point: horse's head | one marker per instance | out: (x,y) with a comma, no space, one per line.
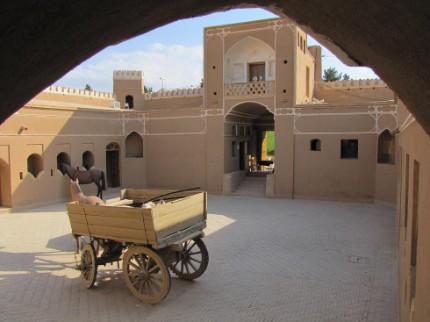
(63,168)
(78,195)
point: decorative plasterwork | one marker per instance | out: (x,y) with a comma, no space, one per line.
(212,112)
(224,31)
(287,111)
(126,118)
(375,112)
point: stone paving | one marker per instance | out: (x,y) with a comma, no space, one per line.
(270,260)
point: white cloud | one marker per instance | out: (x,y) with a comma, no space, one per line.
(179,66)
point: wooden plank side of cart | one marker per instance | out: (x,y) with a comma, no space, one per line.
(160,225)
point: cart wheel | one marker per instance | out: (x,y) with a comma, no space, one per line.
(192,261)
(145,274)
(88,265)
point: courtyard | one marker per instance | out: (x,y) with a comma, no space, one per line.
(270,260)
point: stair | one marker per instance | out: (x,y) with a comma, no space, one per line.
(254,186)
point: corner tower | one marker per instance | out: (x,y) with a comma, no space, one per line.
(128,87)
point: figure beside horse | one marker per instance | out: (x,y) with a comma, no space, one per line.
(84,177)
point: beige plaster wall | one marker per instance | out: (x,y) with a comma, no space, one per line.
(413,206)
(70,100)
(50,131)
(176,161)
(5,179)
(285,55)
(324,175)
(284,165)
(174,103)
(316,53)
(386,183)
(304,59)
(349,95)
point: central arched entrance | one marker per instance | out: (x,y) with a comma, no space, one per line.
(249,145)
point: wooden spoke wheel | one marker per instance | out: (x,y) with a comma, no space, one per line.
(145,274)
(192,261)
(88,266)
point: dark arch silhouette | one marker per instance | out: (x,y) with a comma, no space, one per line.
(133,146)
(386,147)
(129,100)
(88,160)
(34,164)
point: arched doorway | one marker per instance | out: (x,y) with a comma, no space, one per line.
(250,133)
(112,165)
(5,198)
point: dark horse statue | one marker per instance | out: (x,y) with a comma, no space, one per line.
(84,177)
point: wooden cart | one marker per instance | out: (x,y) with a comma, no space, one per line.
(167,235)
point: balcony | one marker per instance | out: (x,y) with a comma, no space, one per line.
(254,89)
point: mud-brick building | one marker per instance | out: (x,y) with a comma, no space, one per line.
(332,140)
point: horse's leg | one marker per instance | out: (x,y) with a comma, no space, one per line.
(99,190)
(77,243)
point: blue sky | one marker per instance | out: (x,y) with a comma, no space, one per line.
(174,53)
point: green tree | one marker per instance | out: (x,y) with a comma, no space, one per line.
(147,89)
(331,74)
(88,88)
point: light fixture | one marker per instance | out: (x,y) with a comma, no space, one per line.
(22,129)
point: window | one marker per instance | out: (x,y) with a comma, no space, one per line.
(34,164)
(134,146)
(349,149)
(88,160)
(257,72)
(129,101)
(315,145)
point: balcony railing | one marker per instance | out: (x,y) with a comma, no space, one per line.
(262,88)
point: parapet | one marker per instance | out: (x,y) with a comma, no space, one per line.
(78,92)
(127,75)
(355,83)
(175,93)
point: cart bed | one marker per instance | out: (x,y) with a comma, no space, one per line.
(159,226)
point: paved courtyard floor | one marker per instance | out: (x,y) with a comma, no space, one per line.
(270,260)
